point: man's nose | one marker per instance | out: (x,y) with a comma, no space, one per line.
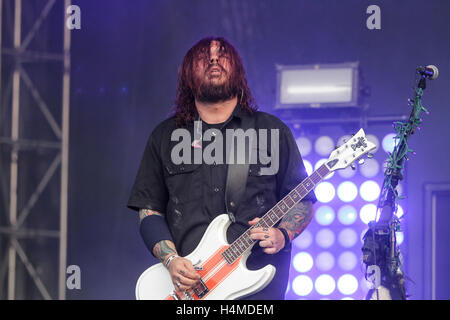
(214,59)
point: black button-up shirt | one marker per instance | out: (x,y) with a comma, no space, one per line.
(192,195)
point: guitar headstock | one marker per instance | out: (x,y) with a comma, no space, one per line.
(355,148)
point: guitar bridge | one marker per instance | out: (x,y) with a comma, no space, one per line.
(201,289)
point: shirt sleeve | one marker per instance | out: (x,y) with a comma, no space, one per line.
(149,190)
(292,170)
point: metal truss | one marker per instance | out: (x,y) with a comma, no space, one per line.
(18,80)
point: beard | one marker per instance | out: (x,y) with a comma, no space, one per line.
(208,91)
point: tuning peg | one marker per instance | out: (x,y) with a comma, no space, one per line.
(353,166)
(370,155)
(361,161)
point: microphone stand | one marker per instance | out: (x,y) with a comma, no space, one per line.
(380,251)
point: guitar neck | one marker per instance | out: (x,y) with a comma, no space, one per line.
(271,218)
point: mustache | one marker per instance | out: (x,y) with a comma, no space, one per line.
(215,66)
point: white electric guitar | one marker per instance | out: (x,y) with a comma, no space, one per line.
(222,266)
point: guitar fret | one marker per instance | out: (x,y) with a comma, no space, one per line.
(289,201)
(301,190)
(308,184)
(315,177)
(323,170)
(283,207)
(263,223)
(295,196)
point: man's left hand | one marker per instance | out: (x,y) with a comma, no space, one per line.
(272,239)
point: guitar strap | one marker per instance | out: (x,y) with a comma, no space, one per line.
(237,171)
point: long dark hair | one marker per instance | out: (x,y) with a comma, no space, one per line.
(185,111)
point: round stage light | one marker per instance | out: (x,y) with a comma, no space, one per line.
(347,191)
(308,167)
(304,240)
(302,285)
(347,284)
(325,238)
(370,168)
(347,260)
(324,145)
(347,214)
(325,261)
(400,237)
(372,138)
(368,213)
(321,162)
(347,237)
(369,190)
(325,284)
(325,192)
(324,215)
(399,212)
(389,142)
(302,262)
(347,173)
(304,146)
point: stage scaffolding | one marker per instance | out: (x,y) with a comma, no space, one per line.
(17,207)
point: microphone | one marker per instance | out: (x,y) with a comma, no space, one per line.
(429,71)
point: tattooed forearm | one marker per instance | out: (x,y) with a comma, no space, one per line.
(147,212)
(297,219)
(163,249)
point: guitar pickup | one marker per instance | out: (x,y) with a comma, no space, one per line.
(201,289)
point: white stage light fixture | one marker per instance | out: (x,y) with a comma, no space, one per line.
(319,85)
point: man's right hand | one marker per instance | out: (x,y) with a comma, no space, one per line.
(183,274)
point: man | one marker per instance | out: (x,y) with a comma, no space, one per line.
(176,202)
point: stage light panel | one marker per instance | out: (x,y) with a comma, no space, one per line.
(372,138)
(370,168)
(303,262)
(302,285)
(347,284)
(325,261)
(347,214)
(347,237)
(347,191)
(399,212)
(324,215)
(348,172)
(325,284)
(389,142)
(315,86)
(369,190)
(368,213)
(304,146)
(347,260)
(304,240)
(325,192)
(325,238)
(324,145)
(400,237)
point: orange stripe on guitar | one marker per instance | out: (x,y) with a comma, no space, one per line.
(219,276)
(210,265)
(212,261)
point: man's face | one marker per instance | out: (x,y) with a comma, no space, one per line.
(212,71)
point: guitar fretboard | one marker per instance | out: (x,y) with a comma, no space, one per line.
(244,242)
